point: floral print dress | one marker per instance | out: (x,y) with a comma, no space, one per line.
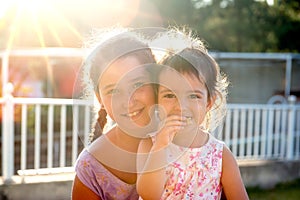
(196,174)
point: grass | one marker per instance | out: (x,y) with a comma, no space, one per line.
(282,191)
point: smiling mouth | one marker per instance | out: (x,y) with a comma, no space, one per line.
(132,114)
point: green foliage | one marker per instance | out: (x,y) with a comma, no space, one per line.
(238,25)
(286,191)
(176,12)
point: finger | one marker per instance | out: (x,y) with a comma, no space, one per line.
(176,117)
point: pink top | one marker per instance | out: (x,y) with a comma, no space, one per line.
(96,177)
(197,173)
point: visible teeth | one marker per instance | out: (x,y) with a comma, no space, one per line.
(132,114)
(189,120)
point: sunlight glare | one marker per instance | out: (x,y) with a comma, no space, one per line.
(27,18)
(4,7)
(58,22)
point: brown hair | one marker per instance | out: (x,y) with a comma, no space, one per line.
(193,58)
(103,54)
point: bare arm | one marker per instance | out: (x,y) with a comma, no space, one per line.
(152,160)
(231,179)
(80,191)
(151,180)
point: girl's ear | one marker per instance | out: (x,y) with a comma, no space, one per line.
(99,99)
(211,102)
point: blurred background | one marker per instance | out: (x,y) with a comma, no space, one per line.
(255,42)
(226,25)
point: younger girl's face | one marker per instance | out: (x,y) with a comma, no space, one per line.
(183,94)
(126,94)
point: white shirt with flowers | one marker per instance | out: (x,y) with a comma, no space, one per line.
(196,174)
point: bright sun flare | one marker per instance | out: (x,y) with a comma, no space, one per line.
(33,18)
(41,21)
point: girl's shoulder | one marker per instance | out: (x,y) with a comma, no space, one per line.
(88,165)
(213,140)
(94,175)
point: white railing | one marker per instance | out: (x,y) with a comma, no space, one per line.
(43,135)
(262,131)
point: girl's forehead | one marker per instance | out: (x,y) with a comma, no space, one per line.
(170,74)
(178,81)
(123,66)
(124,71)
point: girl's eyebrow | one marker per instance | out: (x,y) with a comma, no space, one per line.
(140,78)
(166,90)
(109,86)
(196,91)
(106,87)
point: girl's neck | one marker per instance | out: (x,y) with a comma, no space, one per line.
(123,140)
(196,140)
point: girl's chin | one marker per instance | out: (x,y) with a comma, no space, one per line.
(138,124)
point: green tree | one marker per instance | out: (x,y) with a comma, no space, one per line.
(287,25)
(238,25)
(176,12)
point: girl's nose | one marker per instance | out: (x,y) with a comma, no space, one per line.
(128,99)
(132,100)
(181,104)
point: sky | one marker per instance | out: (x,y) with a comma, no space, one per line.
(39,20)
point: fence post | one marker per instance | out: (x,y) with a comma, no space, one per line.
(291,126)
(8,134)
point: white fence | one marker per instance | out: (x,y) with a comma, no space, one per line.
(262,131)
(43,133)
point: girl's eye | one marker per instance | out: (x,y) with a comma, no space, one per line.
(169,96)
(195,96)
(112,91)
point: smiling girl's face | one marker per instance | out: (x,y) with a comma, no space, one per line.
(126,93)
(183,94)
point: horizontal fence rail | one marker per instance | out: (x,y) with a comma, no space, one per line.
(44,135)
(262,131)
